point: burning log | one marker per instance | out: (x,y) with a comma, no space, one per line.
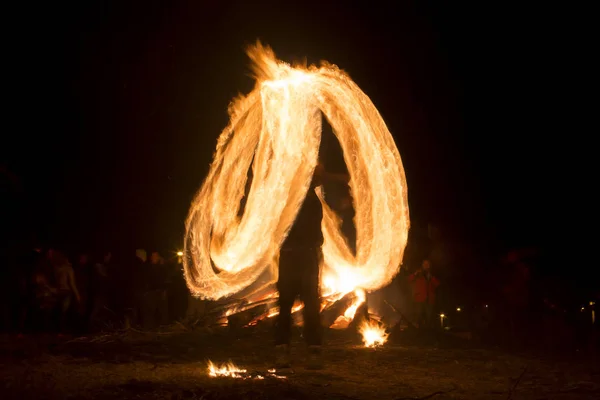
(333,311)
(362,314)
(345,312)
(245,317)
(266,302)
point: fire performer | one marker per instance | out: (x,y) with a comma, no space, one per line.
(276,131)
(299,261)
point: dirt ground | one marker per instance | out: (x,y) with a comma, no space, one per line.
(172,364)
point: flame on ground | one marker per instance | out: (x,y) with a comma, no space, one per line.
(227,370)
(373,333)
(276,131)
(230,370)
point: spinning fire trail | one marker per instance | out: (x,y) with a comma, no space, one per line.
(276,130)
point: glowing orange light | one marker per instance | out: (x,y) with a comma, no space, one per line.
(230,370)
(227,370)
(373,334)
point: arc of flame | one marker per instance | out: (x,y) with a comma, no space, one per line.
(276,131)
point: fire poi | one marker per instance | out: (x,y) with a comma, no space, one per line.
(276,131)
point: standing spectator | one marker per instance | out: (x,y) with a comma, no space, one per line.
(65,283)
(154,307)
(424,286)
(100,291)
(83,278)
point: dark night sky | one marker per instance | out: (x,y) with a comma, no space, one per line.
(122,103)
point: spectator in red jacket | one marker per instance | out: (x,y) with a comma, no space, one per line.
(424,285)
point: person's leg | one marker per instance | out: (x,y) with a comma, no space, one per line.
(284,320)
(414,311)
(24,312)
(48,319)
(163,308)
(420,314)
(135,308)
(101,312)
(6,304)
(429,323)
(92,323)
(311,297)
(89,309)
(287,295)
(148,310)
(182,303)
(65,306)
(288,287)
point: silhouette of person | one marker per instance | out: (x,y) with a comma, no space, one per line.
(299,277)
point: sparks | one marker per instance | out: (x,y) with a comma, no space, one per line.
(276,131)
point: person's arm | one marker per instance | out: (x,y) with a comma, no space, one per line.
(73,284)
(101,270)
(337,177)
(413,276)
(323,175)
(43,282)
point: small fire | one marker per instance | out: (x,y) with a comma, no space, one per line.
(373,334)
(227,370)
(230,370)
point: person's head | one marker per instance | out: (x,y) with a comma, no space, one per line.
(426,265)
(346,203)
(320,168)
(141,254)
(83,259)
(155,257)
(57,258)
(107,257)
(318,173)
(512,257)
